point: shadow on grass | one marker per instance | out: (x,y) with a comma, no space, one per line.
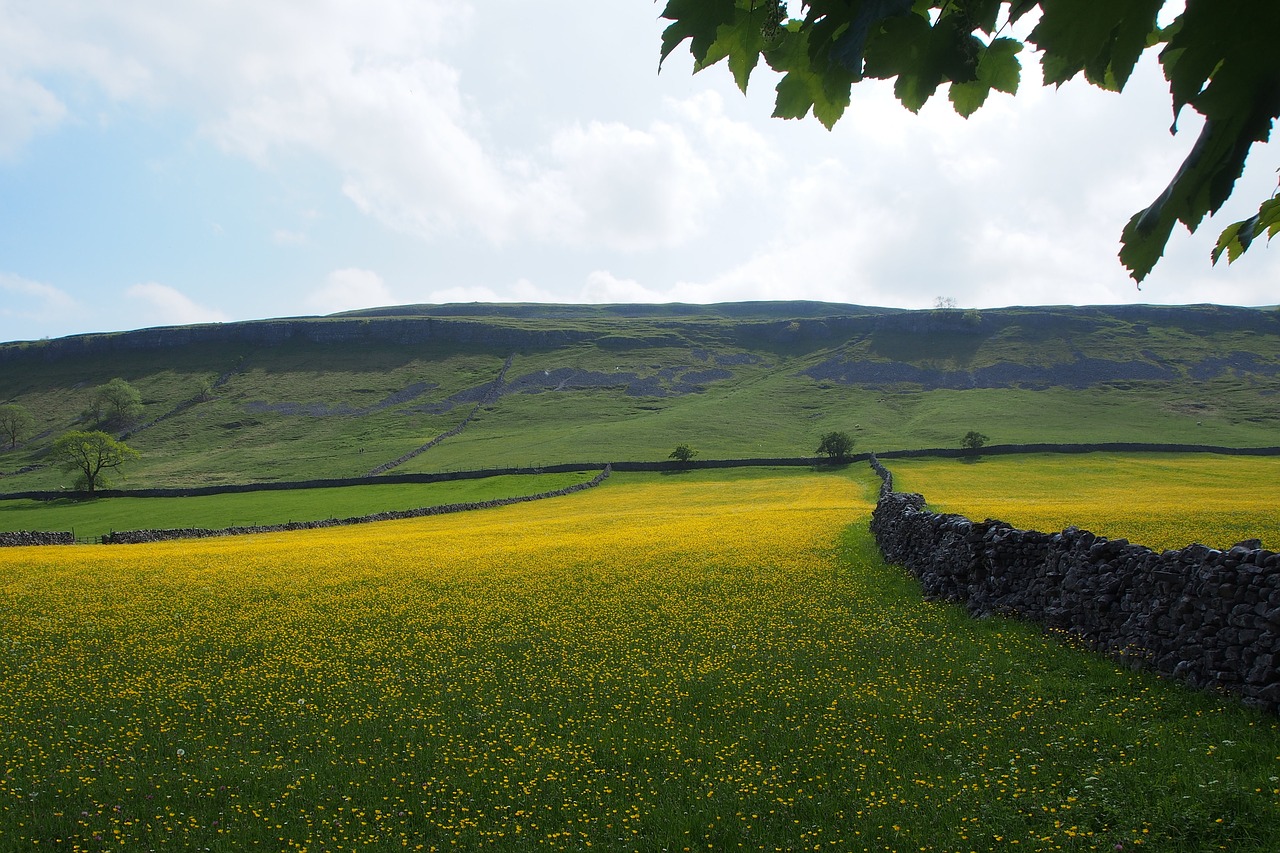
(24,505)
(834,467)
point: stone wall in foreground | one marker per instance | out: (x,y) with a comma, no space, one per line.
(1207,617)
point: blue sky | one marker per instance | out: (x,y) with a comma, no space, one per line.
(213,161)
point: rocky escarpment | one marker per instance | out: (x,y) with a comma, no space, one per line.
(662,382)
(325,410)
(1080,372)
(411,331)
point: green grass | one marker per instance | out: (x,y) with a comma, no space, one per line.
(666,663)
(92,518)
(772,415)
(1161,500)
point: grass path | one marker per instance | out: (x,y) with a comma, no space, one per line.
(692,662)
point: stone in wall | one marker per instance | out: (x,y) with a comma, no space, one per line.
(23,538)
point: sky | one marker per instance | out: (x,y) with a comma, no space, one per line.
(217,160)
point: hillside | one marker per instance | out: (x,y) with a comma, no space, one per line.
(534,384)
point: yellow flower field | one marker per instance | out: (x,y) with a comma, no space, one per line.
(1161,500)
(695,662)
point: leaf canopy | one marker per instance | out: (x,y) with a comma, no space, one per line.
(1219,58)
(90,453)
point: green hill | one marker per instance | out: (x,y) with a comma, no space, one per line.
(344,395)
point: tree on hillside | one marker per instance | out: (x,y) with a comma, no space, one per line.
(16,423)
(683,454)
(117,403)
(836,446)
(973,441)
(1219,58)
(90,455)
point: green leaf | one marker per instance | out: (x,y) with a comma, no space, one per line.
(1000,67)
(983,13)
(803,86)
(742,41)
(1018,8)
(906,48)
(1238,236)
(1224,67)
(1234,239)
(1269,218)
(897,47)
(696,20)
(1202,38)
(1142,242)
(923,57)
(968,97)
(1102,38)
(848,43)
(997,69)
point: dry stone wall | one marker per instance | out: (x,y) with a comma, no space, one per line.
(491,394)
(134,537)
(23,537)
(1207,617)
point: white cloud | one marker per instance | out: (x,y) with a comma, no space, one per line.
(603,287)
(463,294)
(285,237)
(1021,204)
(368,89)
(348,289)
(164,305)
(19,290)
(619,187)
(26,110)
(27,305)
(600,181)
(735,149)
(616,186)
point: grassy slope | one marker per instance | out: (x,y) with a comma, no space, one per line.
(765,409)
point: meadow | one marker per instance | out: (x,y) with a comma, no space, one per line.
(1161,500)
(692,662)
(89,518)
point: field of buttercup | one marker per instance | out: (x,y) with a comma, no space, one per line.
(1161,500)
(688,662)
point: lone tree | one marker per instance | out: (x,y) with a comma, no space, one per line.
(973,441)
(1219,58)
(683,454)
(836,446)
(90,455)
(16,423)
(116,402)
